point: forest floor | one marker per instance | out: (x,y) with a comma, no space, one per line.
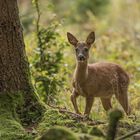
(85,129)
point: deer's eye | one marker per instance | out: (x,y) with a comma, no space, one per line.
(86,49)
(76,49)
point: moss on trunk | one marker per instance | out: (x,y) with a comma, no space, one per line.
(10,127)
(15,77)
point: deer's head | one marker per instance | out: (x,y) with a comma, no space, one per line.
(81,48)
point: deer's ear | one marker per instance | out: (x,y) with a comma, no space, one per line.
(72,40)
(90,38)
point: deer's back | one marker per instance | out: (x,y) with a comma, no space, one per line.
(104,79)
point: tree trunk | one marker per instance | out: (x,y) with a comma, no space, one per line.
(15,80)
(14,67)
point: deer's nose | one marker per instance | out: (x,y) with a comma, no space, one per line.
(81,57)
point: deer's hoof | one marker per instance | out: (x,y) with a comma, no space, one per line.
(86,117)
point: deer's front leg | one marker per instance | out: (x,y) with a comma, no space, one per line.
(89,103)
(74,102)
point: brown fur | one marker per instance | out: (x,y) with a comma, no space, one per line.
(99,80)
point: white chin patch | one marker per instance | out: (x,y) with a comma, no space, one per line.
(81,61)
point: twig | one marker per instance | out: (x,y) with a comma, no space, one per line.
(77,116)
(38,15)
(64,110)
(71,113)
(129,134)
(52,106)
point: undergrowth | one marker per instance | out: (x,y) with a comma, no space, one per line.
(10,125)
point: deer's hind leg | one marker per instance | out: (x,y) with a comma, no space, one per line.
(106,102)
(122,97)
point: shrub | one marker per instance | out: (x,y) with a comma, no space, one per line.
(49,68)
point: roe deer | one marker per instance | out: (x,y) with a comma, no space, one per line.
(97,80)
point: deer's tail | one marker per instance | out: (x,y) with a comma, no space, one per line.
(122,95)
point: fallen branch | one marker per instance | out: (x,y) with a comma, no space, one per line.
(76,116)
(64,110)
(129,134)
(61,110)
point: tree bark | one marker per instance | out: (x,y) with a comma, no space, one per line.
(14,67)
(15,80)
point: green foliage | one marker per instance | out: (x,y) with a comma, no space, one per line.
(114,117)
(49,60)
(53,118)
(79,10)
(10,127)
(97,7)
(31,111)
(96,132)
(59,133)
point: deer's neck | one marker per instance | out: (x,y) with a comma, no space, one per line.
(81,72)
